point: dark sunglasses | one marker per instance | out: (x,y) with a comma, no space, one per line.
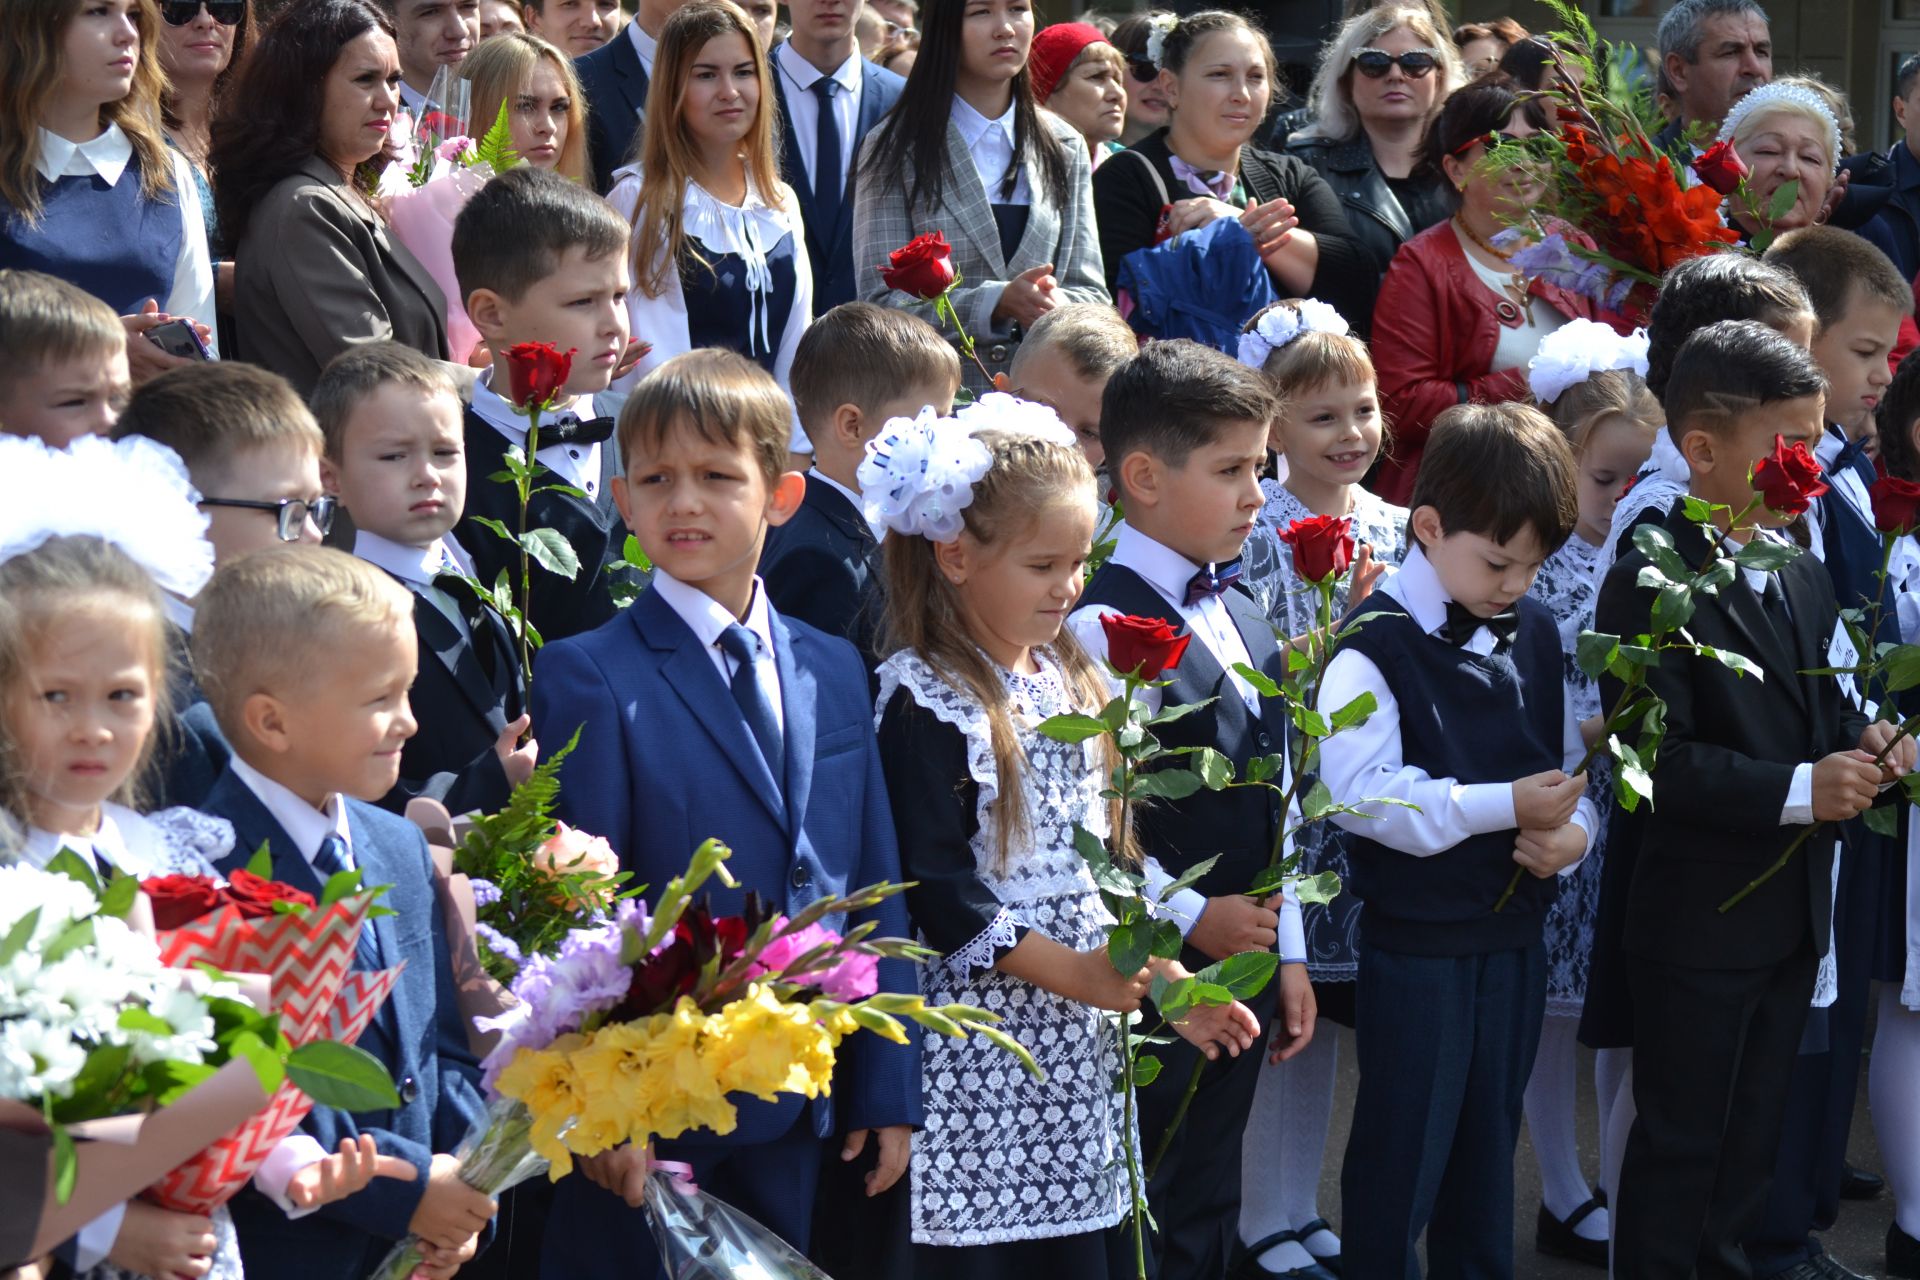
(1417,64)
(291,514)
(178,13)
(1493,141)
(1142,70)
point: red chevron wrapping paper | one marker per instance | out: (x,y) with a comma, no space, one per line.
(318,995)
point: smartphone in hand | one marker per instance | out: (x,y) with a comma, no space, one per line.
(179,338)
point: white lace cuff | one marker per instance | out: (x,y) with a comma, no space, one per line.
(983,950)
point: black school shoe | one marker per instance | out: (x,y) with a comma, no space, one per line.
(1858,1184)
(1558,1239)
(1903,1254)
(1247,1266)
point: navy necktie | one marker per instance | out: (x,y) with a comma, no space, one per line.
(826,157)
(329,861)
(1463,624)
(743,647)
(1212,582)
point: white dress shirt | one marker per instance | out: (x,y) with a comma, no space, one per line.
(1167,572)
(575,464)
(109,155)
(418,567)
(804,107)
(412,101)
(707,618)
(1366,763)
(990,143)
(645,46)
(117,841)
(178,611)
(1844,482)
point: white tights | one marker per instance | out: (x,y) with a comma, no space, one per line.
(1550,1111)
(1896,1104)
(1281,1155)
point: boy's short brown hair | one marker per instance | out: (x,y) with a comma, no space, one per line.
(271,619)
(43,318)
(363,369)
(210,413)
(722,396)
(866,355)
(1835,267)
(1176,396)
(1495,469)
(1091,335)
(514,231)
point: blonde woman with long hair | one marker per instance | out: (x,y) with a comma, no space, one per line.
(719,252)
(89,191)
(546,111)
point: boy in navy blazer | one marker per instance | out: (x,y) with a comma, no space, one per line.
(856,366)
(306,656)
(394,458)
(1184,428)
(704,713)
(819,64)
(542,259)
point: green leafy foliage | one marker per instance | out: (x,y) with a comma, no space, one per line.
(496,147)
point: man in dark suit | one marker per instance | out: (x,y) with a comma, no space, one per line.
(819,66)
(1711,52)
(1890,181)
(1720,998)
(615,78)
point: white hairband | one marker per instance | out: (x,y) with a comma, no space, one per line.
(1766,95)
(132,493)
(919,472)
(1281,324)
(1579,349)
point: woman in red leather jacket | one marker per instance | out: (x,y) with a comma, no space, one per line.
(1455,323)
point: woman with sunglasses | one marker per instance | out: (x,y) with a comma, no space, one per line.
(89,191)
(202,45)
(1380,83)
(1146,104)
(1218,74)
(1455,321)
(315,268)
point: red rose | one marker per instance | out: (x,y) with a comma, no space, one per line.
(537,372)
(1322,546)
(1788,480)
(1721,168)
(180,900)
(922,267)
(1142,647)
(1896,504)
(255,896)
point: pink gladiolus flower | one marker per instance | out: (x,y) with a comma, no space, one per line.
(853,977)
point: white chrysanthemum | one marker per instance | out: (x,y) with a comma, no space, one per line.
(154,517)
(37,1060)
(192,1038)
(998,411)
(1579,349)
(1159,27)
(59,899)
(919,474)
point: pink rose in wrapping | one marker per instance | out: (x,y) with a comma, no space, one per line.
(422,219)
(570,850)
(854,977)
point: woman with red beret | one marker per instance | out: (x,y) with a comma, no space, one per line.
(1080,77)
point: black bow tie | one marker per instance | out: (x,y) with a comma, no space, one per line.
(1851,454)
(1212,582)
(1463,624)
(574,430)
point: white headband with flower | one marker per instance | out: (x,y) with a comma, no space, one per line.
(1159,27)
(1579,349)
(1773,95)
(1281,324)
(919,472)
(132,493)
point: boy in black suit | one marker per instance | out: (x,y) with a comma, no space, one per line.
(1185,433)
(395,459)
(856,367)
(541,259)
(1720,998)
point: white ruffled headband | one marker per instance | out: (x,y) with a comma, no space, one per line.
(1159,27)
(919,473)
(1579,349)
(1282,323)
(1773,95)
(132,493)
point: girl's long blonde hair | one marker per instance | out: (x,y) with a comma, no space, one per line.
(38,592)
(1028,476)
(500,70)
(31,32)
(667,155)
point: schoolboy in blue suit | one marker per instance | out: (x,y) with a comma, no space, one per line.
(704,713)
(307,656)
(819,64)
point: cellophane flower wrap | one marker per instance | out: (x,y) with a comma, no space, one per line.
(646,1026)
(318,995)
(701,1238)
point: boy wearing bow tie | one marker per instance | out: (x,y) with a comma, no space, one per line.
(542,259)
(1473,733)
(1184,429)
(395,459)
